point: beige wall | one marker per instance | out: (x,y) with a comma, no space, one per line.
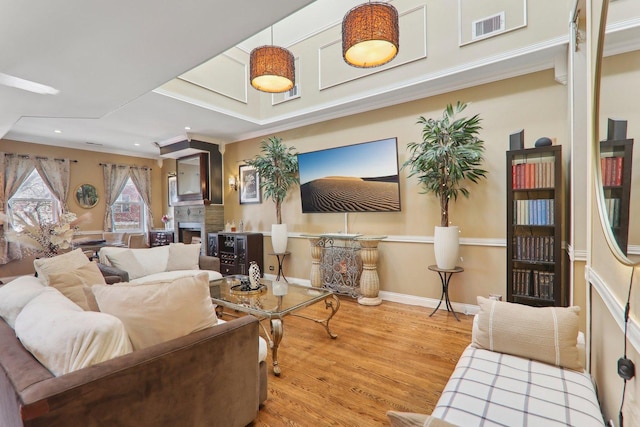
(534,102)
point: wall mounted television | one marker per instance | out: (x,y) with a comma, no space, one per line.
(354,178)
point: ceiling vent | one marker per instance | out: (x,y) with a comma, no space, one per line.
(292,93)
(487,26)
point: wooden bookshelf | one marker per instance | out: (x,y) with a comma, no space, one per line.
(615,162)
(535,268)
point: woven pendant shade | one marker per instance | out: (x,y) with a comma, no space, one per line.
(370,35)
(271,69)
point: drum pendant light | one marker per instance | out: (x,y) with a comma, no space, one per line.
(370,35)
(271,68)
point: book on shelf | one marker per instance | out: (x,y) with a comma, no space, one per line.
(532,173)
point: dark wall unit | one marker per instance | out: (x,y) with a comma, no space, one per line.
(213,164)
(535,263)
(616,161)
(236,251)
(160,238)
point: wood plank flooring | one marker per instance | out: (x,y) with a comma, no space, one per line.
(392,356)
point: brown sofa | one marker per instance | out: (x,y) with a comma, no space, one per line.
(208,378)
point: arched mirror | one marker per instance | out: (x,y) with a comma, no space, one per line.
(616,128)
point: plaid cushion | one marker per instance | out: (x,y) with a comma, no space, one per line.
(495,389)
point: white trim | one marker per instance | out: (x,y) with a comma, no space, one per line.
(465,241)
(616,309)
(460,308)
(245,80)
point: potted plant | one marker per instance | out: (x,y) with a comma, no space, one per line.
(277,167)
(450,153)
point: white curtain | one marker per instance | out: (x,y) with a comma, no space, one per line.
(55,173)
(14,169)
(141,178)
(115,178)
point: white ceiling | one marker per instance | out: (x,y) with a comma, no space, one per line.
(107,58)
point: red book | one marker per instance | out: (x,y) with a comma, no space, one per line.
(514,176)
(619,170)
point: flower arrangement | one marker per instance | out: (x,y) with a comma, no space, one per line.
(165,218)
(39,235)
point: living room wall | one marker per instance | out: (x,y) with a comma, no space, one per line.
(85,171)
(535,102)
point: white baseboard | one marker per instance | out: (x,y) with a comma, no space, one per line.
(468,309)
(460,308)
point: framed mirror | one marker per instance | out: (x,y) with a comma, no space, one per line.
(616,124)
(86,196)
(192,174)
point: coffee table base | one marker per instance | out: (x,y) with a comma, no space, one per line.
(331,302)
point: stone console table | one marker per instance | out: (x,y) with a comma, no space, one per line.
(346,264)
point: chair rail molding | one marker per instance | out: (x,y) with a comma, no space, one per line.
(615,308)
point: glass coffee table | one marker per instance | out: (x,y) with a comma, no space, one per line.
(273,301)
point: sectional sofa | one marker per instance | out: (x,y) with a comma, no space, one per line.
(154,355)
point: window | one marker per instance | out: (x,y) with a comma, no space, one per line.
(128,211)
(34,196)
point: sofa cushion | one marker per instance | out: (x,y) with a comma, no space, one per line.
(153,260)
(59,264)
(546,334)
(410,419)
(155,313)
(16,294)
(71,283)
(64,338)
(124,260)
(183,257)
(168,276)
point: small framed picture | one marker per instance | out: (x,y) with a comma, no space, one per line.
(249,185)
(172,188)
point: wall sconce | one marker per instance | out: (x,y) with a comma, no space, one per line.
(233,183)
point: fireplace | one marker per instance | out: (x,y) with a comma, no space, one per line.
(192,222)
(189,232)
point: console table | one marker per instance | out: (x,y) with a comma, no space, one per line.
(346,264)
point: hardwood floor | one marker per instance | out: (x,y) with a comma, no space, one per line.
(392,356)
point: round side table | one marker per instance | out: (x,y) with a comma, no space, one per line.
(445,277)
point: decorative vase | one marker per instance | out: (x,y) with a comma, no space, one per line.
(279,238)
(254,275)
(446,244)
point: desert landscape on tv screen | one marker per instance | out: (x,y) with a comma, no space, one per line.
(354,178)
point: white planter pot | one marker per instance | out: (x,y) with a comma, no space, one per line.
(279,238)
(446,243)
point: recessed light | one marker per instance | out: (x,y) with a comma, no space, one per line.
(187,128)
(136,144)
(57,131)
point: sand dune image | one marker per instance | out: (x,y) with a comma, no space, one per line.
(349,194)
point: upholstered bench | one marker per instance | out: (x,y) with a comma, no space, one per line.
(523,367)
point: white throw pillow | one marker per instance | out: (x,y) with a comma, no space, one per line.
(59,264)
(155,313)
(153,260)
(64,338)
(546,334)
(71,283)
(124,260)
(16,294)
(183,257)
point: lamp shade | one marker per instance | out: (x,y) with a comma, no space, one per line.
(370,35)
(271,69)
